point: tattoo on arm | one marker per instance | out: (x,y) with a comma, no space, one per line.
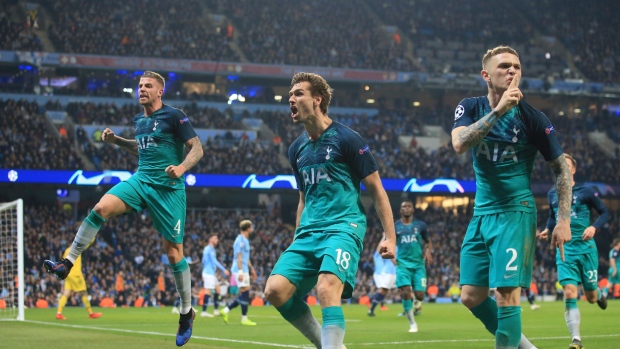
(563,183)
(475,132)
(195,153)
(128,144)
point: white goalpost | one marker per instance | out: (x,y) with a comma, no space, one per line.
(12,260)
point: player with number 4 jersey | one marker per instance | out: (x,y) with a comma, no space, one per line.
(580,265)
(329,161)
(162,134)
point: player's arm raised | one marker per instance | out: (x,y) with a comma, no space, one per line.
(465,137)
(373,184)
(130,145)
(564,186)
(193,156)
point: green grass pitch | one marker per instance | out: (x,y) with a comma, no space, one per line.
(441,326)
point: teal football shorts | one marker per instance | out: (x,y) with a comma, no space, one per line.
(320,252)
(579,269)
(498,250)
(166,206)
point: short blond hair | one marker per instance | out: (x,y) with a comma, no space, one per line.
(156,76)
(572,159)
(496,51)
(245,224)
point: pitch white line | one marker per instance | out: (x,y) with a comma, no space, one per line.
(299,346)
(302,346)
(478,340)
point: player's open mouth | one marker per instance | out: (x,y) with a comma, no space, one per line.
(294,111)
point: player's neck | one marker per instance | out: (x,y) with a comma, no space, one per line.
(245,235)
(317,125)
(494,96)
(406,220)
(151,108)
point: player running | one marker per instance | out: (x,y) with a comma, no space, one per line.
(580,264)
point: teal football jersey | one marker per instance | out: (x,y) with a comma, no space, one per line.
(329,171)
(615,254)
(161,141)
(410,240)
(583,201)
(504,159)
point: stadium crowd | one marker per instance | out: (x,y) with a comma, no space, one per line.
(447,39)
(27,143)
(126,28)
(127,261)
(587,31)
(353,38)
(16,33)
(225,153)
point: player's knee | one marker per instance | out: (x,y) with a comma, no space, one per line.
(591,296)
(569,293)
(274,294)
(419,296)
(472,299)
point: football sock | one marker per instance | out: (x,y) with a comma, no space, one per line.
(244,300)
(234,304)
(297,312)
(62,303)
(508,333)
(85,235)
(332,333)
(86,303)
(530,296)
(408,306)
(378,298)
(205,302)
(183,280)
(216,301)
(525,343)
(573,317)
(486,312)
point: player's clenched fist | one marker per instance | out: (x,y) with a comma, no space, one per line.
(108,136)
(175,171)
(387,249)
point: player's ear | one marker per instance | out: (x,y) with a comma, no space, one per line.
(485,75)
(317,100)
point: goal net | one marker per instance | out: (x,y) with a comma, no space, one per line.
(12,260)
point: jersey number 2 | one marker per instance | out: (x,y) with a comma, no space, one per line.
(512,259)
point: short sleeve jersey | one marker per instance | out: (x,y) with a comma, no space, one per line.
(583,201)
(329,171)
(410,243)
(378,262)
(503,160)
(615,254)
(241,245)
(161,141)
(209,261)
